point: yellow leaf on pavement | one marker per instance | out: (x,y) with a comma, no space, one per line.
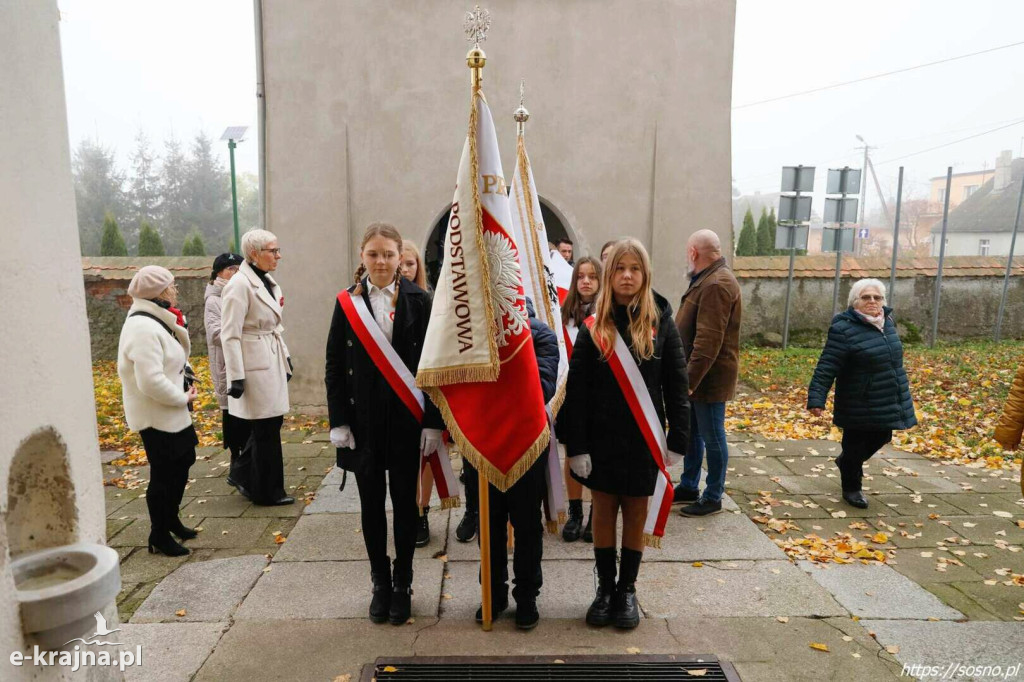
(819,646)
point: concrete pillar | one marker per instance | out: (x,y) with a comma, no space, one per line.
(49,456)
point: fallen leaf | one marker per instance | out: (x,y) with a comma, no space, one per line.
(698,564)
(839,514)
(697,672)
(782,619)
(389,669)
(633,650)
(892,649)
(819,646)
(179,613)
(1003,514)
(347,677)
(880,538)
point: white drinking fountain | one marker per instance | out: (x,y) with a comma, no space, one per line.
(60,589)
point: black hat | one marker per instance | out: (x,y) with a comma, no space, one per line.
(225,260)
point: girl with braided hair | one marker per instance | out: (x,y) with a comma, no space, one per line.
(380,423)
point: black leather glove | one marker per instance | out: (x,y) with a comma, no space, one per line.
(291,369)
(237,388)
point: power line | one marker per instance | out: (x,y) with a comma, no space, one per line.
(947,144)
(877,75)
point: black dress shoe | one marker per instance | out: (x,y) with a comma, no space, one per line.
(279,502)
(231,482)
(856,499)
(681,495)
(527,615)
(423,532)
(243,491)
(466,529)
(498,606)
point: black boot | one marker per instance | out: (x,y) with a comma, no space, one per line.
(401,597)
(856,499)
(588,532)
(574,526)
(380,604)
(527,615)
(163,543)
(423,532)
(625,611)
(181,530)
(499,603)
(466,529)
(600,611)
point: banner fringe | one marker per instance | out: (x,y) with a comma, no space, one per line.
(466,374)
(652,541)
(451,502)
(562,518)
(558,400)
(501,481)
(552,527)
(494,324)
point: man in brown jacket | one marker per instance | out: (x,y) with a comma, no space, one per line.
(1011,422)
(709,324)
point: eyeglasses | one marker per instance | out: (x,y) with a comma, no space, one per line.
(276,252)
(872,297)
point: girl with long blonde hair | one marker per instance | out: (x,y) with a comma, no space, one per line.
(607,449)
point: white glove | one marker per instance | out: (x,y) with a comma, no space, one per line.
(430,441)
(672,459)
(581,465)
(341,437)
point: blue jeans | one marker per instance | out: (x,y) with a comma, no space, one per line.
(707,430)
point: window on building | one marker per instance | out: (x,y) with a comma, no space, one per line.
(984,245)
(969,190)
(942,196)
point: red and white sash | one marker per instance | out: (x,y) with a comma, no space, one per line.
(403,383)
(570,331)
(555,506)
(631,382)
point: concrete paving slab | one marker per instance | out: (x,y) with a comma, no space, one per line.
(945,644)
(338,537)
(219,505)
(927,484)
(765,649)
(951,596)
(809,485)
(982,503)
(752,466)
(256,511)
(170,651)
(208,591)
(712,538)
(135,534)
(999,599)
(925,569)
(787,506)
(568,591)
(873,485)
(144,567)
(1003,484)
(305,649)
(903,531)
(332,589)
(831,503)
(878,591)
(331,500)
(735,589)
(228,532)
(917,503)
(751,484)
(981,530)
(987,560)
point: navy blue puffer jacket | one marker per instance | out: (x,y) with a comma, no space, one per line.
(872,390)
(545,344)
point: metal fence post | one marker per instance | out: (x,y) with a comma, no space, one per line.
(895,240)
(1009,266)
(942,257)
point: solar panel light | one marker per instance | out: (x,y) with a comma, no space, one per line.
(234,133)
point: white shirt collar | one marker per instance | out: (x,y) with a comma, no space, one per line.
(389,289)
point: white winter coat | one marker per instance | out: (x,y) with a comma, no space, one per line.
(254,349)
(151,365)
(211,320)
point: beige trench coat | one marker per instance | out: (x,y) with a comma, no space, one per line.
(254,349)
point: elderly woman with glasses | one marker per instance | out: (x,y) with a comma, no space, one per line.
(864,357)
(257,367)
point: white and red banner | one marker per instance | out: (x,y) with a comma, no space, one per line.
(561,273)
(478,363)
(402,382)
(631,382)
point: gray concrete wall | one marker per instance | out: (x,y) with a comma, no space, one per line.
(968,309)
(48,445)
(367,105)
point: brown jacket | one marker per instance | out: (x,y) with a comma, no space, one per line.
(1011,423)
(709,324)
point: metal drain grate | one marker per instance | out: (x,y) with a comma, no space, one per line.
(538,668)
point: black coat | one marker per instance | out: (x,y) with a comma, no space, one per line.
(872,390)
(359,397)
(545,346)
(600,423)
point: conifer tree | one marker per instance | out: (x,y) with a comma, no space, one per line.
(747,244)
(150,243)
(112,243)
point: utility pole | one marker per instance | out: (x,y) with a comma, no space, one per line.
(863,195)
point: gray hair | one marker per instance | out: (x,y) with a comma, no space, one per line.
(861,284)
(254,240)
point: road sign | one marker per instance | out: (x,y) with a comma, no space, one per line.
(862,233)
(791,237)
(794,209)
(797,178)
(837,239)
(843,181)
(840,210)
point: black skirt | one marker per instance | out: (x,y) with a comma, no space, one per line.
(170,445)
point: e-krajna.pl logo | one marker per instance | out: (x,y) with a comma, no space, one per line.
(77,657)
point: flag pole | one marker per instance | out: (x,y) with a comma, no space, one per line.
(476,27)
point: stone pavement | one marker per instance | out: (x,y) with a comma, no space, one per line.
(247,606)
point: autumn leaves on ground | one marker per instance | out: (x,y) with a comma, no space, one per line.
(958,390)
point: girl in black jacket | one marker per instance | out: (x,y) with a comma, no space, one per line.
(607,450)
(373,428)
